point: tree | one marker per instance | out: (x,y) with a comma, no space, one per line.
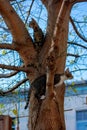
(49,113)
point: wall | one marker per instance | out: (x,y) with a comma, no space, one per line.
(73,104)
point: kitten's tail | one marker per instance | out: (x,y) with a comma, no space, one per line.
(28,98)
(27,103)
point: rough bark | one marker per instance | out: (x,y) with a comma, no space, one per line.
(50,114)
(62,17)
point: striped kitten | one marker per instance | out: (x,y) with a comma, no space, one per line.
(38,36)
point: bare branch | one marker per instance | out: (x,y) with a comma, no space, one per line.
(19,32)
(17,27)
(14,68)
(77,44)
(20,9)
(5,29)
(7,46)
(77,32)
(8,75)
(45,2)
(79,70)
(15,87)
(58,18)
(76,1)
(12,0)
(29,11)
(77,56)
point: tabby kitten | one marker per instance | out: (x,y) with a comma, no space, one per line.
(38,36)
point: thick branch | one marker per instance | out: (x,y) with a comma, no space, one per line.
(19,32)
(8,75)
(7,46)
(45,2)
(77,32)
(15,87)
(81,0)
(14,23)
(76,1)
(51,67)
(58,19)
(14,68)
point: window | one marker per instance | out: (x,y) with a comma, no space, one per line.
(81,120)
(81,115)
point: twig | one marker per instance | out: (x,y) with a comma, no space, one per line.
(77,44)
(77,32)
(29,11)
(15,87)
(69,54)
(8,75)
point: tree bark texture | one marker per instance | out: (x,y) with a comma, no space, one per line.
(47,114)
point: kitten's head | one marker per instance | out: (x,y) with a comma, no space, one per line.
(68,74)
(33,24)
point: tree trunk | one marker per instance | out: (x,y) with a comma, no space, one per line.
(50,112)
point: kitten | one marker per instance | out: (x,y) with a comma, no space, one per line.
(39,85)
(38,36)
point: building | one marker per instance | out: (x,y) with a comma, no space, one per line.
(75,107)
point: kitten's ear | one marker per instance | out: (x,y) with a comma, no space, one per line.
(67,70)
(68,74)
(33,20)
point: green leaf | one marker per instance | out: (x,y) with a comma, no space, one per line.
(73,83)
(4,52)
(2,106)
(72,62)
(15,112)
(74,90)
(4,36)
(1,113)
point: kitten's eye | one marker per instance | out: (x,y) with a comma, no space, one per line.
(68,75)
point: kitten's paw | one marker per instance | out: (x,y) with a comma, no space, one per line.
(42,97)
